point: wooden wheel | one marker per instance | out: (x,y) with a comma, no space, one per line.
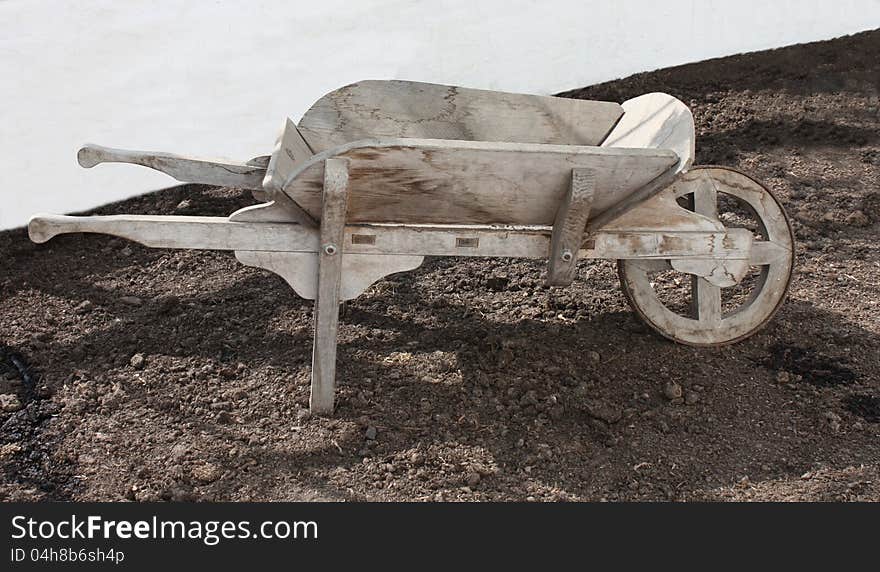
(689,309)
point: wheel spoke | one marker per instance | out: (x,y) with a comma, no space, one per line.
(706,198)
(708,300)
(766,252)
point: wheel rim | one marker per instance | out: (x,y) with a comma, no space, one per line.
(772,260)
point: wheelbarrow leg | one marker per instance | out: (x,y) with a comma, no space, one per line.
(335,201)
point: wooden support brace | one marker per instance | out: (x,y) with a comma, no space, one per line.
(568,228)
(329,279)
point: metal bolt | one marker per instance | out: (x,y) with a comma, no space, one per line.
(330,249)
(567,255)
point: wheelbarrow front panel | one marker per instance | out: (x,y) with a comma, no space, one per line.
(411,181)
(430,111)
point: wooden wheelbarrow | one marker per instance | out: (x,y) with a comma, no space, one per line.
(379,174)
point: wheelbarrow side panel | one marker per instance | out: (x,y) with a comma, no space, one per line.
(430,111)
(413,181)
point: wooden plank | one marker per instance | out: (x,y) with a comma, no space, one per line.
(650,121)
(692,251)
(329,279)
(765,252)
(468,241)
(707,300)
(568,229)
(184,169)
(461,182)
(200,232)
(300,269)
(658,213)
(705,295)
(218,233)
(429,111)
(706,197)
(656,121)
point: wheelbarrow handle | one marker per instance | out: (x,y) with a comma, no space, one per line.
(185,169)
(198,232)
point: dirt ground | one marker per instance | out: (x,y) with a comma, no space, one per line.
(183,375)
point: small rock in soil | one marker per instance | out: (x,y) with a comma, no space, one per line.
(371,432)
(302,415)
(131,300)
(206,473)
(84,307)
(179,451)
(833,420)
(137,361)
(473,479)
(691,397)
(672,390)
(858,218)
(10,402)
(594,357)
(783,377)
(604,412)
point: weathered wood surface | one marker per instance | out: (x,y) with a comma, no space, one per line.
(429,111)
(656,121)
(773,254)
(300,269)
(402,244)
(184,169)
(711,275)
(650,121)
(329,281)
(662,212)
(569,226)
(290,152)
(461,182)
(705,249)
(198,232)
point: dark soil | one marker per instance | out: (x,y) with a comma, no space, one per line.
(865,406)
(183,375)
(809,366)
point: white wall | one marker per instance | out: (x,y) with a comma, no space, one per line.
(216,78)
